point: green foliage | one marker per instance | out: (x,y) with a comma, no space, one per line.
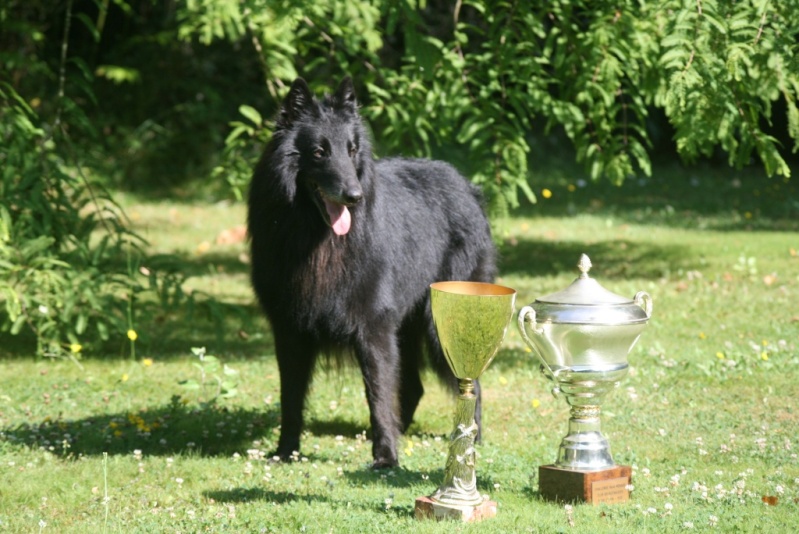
(485,79)
(242,147)
(69,264)
(222,379)
(60,238)
(723,67)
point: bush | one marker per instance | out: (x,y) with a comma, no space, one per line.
(62,242)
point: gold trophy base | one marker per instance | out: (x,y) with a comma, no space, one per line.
(427,508)
(608,486)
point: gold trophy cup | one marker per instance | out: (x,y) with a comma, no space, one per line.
(471,319)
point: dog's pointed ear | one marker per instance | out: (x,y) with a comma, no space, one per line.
(345,95)
(296,103)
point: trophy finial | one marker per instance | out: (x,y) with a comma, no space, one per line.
(584,265)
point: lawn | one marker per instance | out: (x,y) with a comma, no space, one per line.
(707,416)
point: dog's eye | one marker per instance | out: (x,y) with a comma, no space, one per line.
(319,153)
(353,151)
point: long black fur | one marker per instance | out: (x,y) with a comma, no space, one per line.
(413,222)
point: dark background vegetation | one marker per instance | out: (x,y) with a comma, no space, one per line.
(174,99)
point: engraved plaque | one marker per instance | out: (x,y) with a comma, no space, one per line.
(610,491)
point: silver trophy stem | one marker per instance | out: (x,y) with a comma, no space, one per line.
(460,482)
(584,447)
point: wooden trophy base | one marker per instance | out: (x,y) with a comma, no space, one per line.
(608,486)
(426,508)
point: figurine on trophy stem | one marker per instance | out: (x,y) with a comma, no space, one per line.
(471,319)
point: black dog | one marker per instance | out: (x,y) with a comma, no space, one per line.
(344,249)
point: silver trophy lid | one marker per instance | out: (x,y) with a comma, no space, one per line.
(587,302)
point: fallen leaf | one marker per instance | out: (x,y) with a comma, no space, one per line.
(230,236)
(770,500)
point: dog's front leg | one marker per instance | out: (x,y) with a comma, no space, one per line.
(295,360)
(378,357)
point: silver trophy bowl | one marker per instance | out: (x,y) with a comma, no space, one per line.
(582,337)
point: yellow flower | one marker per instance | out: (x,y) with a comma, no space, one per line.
(132,335)
(75,348)
(764,356)
(572,188)
(720,355)
(546,193)
(147,362)
(536,403)
(503,380)
(702,335)
(125,377)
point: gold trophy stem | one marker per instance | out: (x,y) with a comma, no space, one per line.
(460,482)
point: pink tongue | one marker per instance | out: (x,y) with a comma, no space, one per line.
(340,218)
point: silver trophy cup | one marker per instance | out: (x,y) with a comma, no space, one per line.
(582,337)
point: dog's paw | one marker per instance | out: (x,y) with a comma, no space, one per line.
(384,463)
(283,457)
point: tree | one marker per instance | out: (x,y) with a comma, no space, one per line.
(483,74)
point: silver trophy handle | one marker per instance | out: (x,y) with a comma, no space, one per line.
(643,299)
(527,315)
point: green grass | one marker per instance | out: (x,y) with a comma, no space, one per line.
(707,416)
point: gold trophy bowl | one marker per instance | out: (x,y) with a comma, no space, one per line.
(471,320)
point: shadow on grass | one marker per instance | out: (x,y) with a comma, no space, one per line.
(206,430)
(336,427)
(198,264)
(706,196)
(223,328)
(209,430)
(619,259)
(402,478)
(244,495)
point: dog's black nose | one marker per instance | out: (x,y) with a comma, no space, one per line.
(353,196)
